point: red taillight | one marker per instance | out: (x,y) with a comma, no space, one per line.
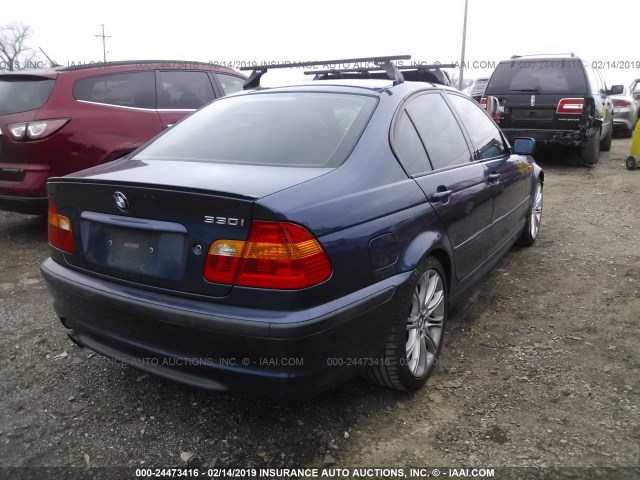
(571,106)
(222,261)
(36,130)
(483,102)
(60,234)
(276,255)
(621,103)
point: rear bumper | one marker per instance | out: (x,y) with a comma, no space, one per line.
(26,193)
(221,347)
(550,138)
(624,121)
(30,205)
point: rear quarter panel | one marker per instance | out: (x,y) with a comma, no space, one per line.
(368,196)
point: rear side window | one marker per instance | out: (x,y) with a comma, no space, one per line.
(137,90)
(230,84)
(603,83)
(178,90)
(439,130)
(280,129)
(593,80)
(409,147)
(484,134)
(20,93)
(538,76)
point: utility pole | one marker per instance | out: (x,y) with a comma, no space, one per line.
(104,46)
(464,42)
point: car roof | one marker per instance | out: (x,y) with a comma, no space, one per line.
(546,56)
(46,73)
(126,65)
(375,87)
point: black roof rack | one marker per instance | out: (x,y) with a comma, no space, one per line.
(569,54)
(433,73)
(382,63)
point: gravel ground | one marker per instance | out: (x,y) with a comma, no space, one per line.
(540,367)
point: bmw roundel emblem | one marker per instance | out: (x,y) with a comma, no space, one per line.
(121,201)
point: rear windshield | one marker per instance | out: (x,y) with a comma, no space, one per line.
(280,129)
(538,76)
(21,94)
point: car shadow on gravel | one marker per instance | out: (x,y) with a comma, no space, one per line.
(216,428)
(563,158)
(567,160)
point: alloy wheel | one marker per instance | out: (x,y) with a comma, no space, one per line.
(425,323)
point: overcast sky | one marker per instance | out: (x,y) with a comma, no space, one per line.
(277,30)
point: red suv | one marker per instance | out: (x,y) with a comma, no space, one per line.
(54,122)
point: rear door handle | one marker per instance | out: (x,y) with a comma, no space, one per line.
(442,196)
(493,177)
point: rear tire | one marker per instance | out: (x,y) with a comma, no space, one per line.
(534,217)
(605,143)
(627,133)
(414,343)
(591,151)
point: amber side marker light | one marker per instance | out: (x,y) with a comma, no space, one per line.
(60,234)
(277,255)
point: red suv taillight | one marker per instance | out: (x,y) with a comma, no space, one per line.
(276,255)
(571,106)
(60,234)
(36,130)
(483,102)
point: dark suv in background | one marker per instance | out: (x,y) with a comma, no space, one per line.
(58,121)
(559,100)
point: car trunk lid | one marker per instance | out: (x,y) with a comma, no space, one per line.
(152,223)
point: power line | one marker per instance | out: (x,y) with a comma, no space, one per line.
(104,44)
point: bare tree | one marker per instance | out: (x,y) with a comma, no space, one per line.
(14,51)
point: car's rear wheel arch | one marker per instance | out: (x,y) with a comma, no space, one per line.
(414,342)
(442,256)
(429,243)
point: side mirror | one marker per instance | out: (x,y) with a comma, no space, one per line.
(617,90)
(524,146)
(636,95)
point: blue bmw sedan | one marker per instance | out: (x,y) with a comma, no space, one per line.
(283,240)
